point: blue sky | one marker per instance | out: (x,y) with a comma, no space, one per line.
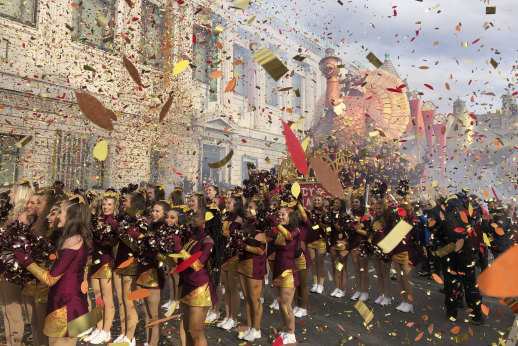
(366,26)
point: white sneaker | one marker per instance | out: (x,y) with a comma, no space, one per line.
(320,289)
(340,294)
(119,338)
(212,316)
(130,342)
(91,336)
(101,338)
(401,306)
(364,296)
(386,301)
(252,335)
(167,305)
(222,290)
(230,324)
(242,335)
(241,295)
(300,312)
(262,300)
(313,288)
(378,300)
(86,332)
(222,322)
(295,310)
(408,308)
(356,295)
(275,305)
(266,281)
(288,338)
(333,294)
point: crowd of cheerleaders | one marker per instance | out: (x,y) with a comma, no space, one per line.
(55,245)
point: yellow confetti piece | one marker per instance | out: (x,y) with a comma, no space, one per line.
(241,4)
(23,142)
(364,312)
(295,190)
(251,20)
(339,266)
(305,143)
(172,309)
(373,59)
(298,123)
(180,66)
(434,183)
(395,236)
(208,216)
(218,29)
(101,150)
(272,65)
(464,44)
(436,43)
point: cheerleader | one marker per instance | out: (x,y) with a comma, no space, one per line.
(337,241)
(317,248)
(252,268)
(231,223)
(359,230)
(303,263)
(154,193)
(100,272)
(66,301)
(124,275)
(11,282)
(197,285)
(285,275)
(381,226)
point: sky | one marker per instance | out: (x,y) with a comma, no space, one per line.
(424,39)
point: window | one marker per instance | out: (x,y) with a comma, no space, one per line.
(74,163)
(271,92)
(8,159)
(94,22)
(244,168)
(153,26)
(156,170)
(205,57)
(212,153)
(22,11)
(242,71)
(296,81)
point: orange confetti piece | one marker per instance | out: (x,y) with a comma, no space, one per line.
(425,317)
(485,309)
(151,324)
(432,223)
(470,331)
(216,74)
(455,330)
(289,110)
(447,86)
(437,278)
(486,193)
(52,256)
(219,45)
(84,287)
(342,328)
(496,143)
(138,294)
(424,67)
(419,336)
(430,329)
(410,324)
(226,128)
(499,231)
(238,62)
(126,263)
(230,85)
(463,216)
(500,280)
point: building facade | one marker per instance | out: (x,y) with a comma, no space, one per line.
(52,49)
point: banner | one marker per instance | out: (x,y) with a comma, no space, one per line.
(309,190)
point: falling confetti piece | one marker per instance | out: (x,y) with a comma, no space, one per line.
(455,330)
(271,64)
(84,287)
(470,331)
(180,66)
(151,324)
(100,151)
(295,190)
(327,177)
(231,85)
(126,263)
(401,212)
(500,280)
(459,229)
(216,74)
(437,279)
(419,336)
(132,70)
(485,309)
(138,294)
(223,161)
(424,67)
(490,9)
(447,86)
(165,108)
(251,20)
(373,59)
(494,63)
(297,154)
(394,237)
(430,329)
(429,86)
(278,341)
(463,216)
(94,110)
(364,312)
(187,262)
(218,29)
(410,324)
(241,4)
(305,143)
(23,142)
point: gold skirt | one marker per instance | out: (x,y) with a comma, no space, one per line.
(198,297)
(284,281)
(29,289)
(401,258)
(56,323)
(246,267)
(300,262)
(317,245)
(231,264)
(105,272)
(149,278)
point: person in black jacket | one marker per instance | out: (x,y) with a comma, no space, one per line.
(498,228)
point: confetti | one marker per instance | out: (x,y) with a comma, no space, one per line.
(251,20)
(180,66)
(132,70)
(500,279)
(84,287)
(231,85)
(94,110)
(437,279)
(494,63)
(165,108)
(187,262)
(138,294)
(295,189)
(374,60)
(327,177)
(241,4)
(455,330)
(364,312)
(100,151)
(490,9)
(161,320)
(126,263)
(419,336)
(297,154)
(272,65)
(218,29)
(394,237)
(23,142)
(223,161)
(484,309)
(216,74)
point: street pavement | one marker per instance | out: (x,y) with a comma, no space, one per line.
(334,321)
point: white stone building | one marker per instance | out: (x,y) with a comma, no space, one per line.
(52,48)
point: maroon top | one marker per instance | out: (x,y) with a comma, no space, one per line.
(408,243)
(355,238)
(230,250)
(258,261)
(305,232)
(191,279)
(285,257)
(104,237)
(67,290)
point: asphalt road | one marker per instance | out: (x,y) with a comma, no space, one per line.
(334,321)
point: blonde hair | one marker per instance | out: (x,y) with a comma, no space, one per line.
(115,204)
(22,190)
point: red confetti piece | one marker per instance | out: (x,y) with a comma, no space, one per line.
(295,149)
(187,263)
(473,116)
(365,217)
(401,212)
(243,140)
(447,86)
(459,229)
(494,193)
(278,341)
(429,86)
(394,90)
(424,67)
(99,302)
